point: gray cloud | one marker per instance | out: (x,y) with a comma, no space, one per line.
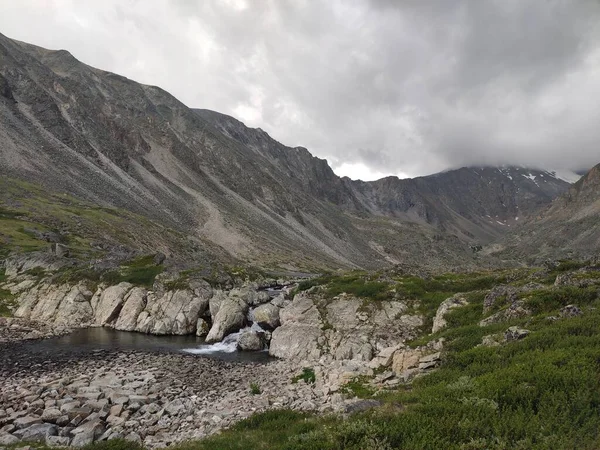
(399,87)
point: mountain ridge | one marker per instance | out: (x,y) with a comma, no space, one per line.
(112,141)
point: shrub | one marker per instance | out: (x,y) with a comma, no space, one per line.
(308,375)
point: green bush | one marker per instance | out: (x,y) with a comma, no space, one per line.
(307,375)
(255,389)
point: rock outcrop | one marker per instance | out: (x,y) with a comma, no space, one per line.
(439,321)
(345,328)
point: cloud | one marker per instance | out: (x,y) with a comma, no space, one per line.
(377,87)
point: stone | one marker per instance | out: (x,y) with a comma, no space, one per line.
(439,322)
(175,312)
(352,407)
(202,327)
(87,433)
(266,316)
(134,304)
(570,311)
(429,361)
(51,415)
(110,303)
(404,359)
(58,441)
(26,422)
(175,407)
(251,341)
(515,333)
(501,294)
(514,311)
(37,432)
(8,439)
(230,318)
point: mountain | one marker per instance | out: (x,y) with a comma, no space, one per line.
(568,227)
(228,191)
(476,203)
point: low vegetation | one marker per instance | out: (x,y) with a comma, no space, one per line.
(307,375)
(541,392)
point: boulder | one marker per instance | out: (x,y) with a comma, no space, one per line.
(87,433)
(515,333)
(8,439)
(300,334)
(134,304)
(37,432)
(251,341)
(110,303)
(439,322)
(266,316)
(230,318)
(501,294)
(570,311)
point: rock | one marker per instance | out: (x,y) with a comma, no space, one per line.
(60,250)
(352,346)
(159,258)
(570,311)
(515,333)
(175,312)
(87,433)
(384,358)
(230,318)
(134,304)
(37,432)
(175,407)
(266,316)
(58,441)
(356,406)
(404,359)
(26,422)
(251,341)
(491,340)
(8,439)
(429,361)
(133,437)
(110,303)
(51,415)
(514,311)
(439,322)
(202,328)
(501,294)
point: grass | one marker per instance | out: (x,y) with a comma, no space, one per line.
(255,389)
(140,272)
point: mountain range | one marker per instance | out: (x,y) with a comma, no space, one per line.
(199,185)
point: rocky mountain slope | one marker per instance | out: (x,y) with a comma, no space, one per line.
(567,227)
(234,191)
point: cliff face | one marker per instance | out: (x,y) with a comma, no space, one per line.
(114,142)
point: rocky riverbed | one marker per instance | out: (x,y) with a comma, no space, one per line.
(152,398)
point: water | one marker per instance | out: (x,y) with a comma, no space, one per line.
(88,340)
(227,345)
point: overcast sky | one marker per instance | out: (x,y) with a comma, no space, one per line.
(379,87)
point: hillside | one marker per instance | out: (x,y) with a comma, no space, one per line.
(568,226)
(239,194)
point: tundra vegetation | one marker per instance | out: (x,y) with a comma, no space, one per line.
(538,392)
